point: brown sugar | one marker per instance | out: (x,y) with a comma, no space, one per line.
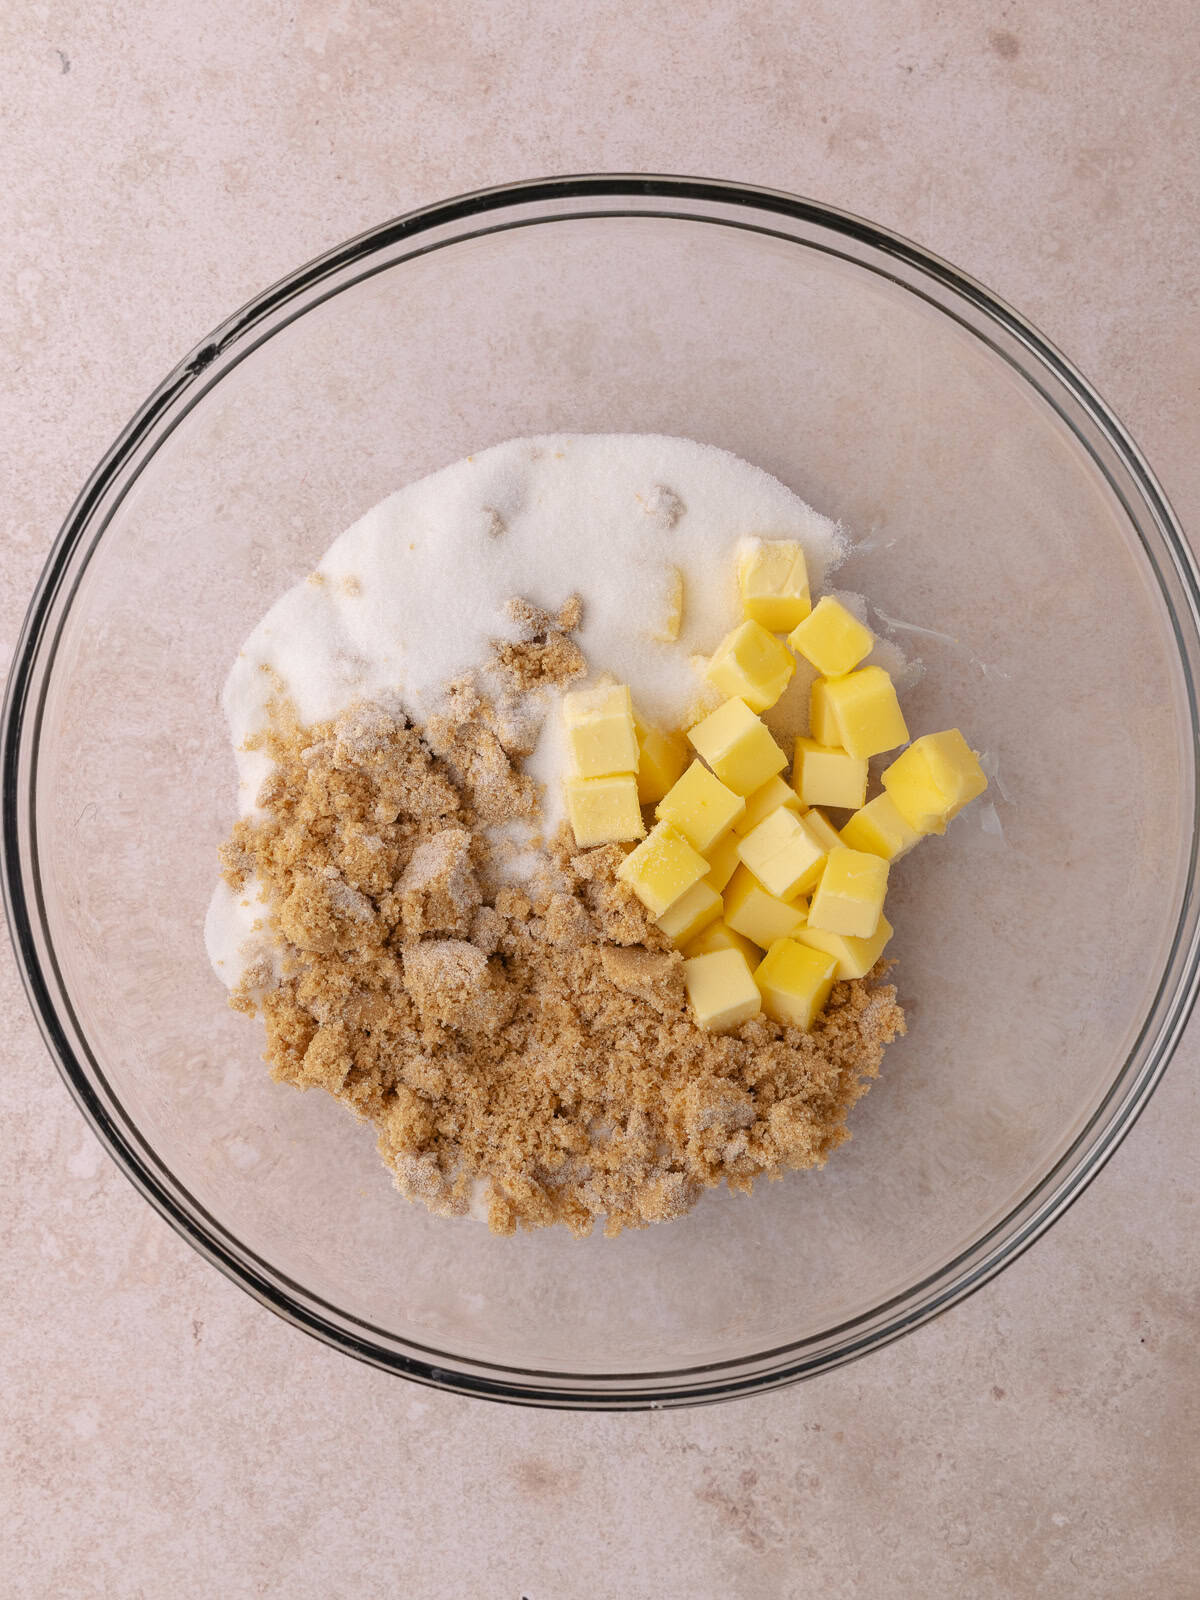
(532,1040)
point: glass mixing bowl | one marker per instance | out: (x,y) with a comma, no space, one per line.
(1047,947)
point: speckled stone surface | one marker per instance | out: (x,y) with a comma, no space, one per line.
(161,1433)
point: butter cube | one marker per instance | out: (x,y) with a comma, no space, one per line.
(795,982)
(720,936)
(934,779)
(866,711)
(722,990)
(661,758)
(828,777)
(752,664)
(662,868)
(759,805)
(600,736)
(822,724)
(849,897)
(722,862)
(832,638)
(604,810)
(880,829)
(690,913)
(738,747)
(784,854)
(757,914)
(672,616)
(773,578)
(855,957)
(817,822)
(701,807)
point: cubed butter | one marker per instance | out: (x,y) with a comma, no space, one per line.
(866,712)
(671,619)
(751,664)
(757,914)
(855,957)
(795,982)
(773,578)
(662,868)
(720,936)
(690,913)
(832,638)
(818,823)
(738,747)
(880,829)
(784,854)
(661,758)
(701,807)
(849,897)
(721,990)
(934,779)
(774,793)
(604,810)
(600,736)
(722,862)
(822,724)
(822,776)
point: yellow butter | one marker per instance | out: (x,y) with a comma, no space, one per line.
(817,822)
(759,805)
(738,747)
(661,758)
(662,868)
(690,913)
(828,777)
(721,990)
(773,579)
(849,897)
(880,829)
(784,854)
(751,664)
(600,736)
(722,861)
(757,914)
(832,638)
(866,712)
(720,936)
(822,724)
(855,957)
(701,807)
(934,779)
(604,810)
(671,620)
(795,982)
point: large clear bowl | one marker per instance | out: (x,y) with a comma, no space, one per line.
(1047,950)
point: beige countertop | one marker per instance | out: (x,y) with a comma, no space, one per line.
(162,1434)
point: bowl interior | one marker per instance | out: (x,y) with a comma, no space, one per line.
(1030,941)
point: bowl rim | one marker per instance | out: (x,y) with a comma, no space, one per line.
(232,341)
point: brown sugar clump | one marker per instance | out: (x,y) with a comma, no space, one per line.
(533,1041)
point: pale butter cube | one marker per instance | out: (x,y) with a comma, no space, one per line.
(722,862)
(822,724)
(671,620)
(880,829)
(662,868)
(934,779)
(701,807)
(832,638)
(661,758)
(773,579)
(690,913)
(604,810)
(751,664)
(817,822)
(855,957)
(774,793)
(849,897)
(784,854)
(600,736)
(866,712)
(721,990)
(822,776)
(795,982)
(720,936)
(759,915)
(738,747)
